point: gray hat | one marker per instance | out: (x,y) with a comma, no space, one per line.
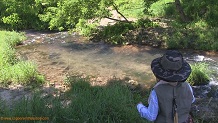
(171,67)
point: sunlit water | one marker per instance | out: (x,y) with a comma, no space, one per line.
(106,61)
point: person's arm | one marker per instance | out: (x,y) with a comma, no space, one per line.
(192,93)
(150,112)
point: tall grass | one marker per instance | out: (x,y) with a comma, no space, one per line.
(114,103)
(12,69)
(162,8)
(200,74)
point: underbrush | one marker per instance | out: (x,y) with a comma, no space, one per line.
(193,38)
(196,35)
(112,103)
(13,70)
(200,32)
(123,33)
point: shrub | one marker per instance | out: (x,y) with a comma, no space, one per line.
(114,34)
(20,14)
(85,28)
(202,10)
(144,23)
(178,40)
(121,32)
(193,38)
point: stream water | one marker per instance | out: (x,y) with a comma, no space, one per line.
(94,59)
(57,54)
(74,54)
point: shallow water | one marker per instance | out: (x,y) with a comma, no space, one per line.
(94,59)
(59,53)
(76,55)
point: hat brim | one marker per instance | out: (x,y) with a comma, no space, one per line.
(170,75)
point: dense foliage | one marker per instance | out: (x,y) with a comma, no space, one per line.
(60,14)
(198,32)
(195,10)
(20,14)
(206,10)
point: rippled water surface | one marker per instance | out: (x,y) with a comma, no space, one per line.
(75,53)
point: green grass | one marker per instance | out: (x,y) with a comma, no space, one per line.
(14,70)
(200,74)
(133,9)
(162,8)
(113,103)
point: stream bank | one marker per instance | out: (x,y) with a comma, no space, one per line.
(61,53)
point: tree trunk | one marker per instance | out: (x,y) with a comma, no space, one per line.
(180,10)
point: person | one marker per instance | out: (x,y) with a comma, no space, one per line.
(171,98)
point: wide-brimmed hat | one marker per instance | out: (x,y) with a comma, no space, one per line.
(171,67)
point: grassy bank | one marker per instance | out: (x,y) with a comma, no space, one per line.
(115,102)
(14,70)
(82,103)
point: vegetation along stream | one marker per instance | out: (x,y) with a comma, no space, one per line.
(60,53)
(125,37)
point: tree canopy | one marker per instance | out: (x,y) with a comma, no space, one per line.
(60,14)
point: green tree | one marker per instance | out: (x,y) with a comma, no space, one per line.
(67,13)
(19,14)
(64,14)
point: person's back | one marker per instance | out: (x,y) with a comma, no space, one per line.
(171,98)
(166,94)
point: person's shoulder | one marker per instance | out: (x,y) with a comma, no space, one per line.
(186,83)
(161,82)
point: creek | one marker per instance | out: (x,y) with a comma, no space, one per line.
(59,53)
(67,52)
